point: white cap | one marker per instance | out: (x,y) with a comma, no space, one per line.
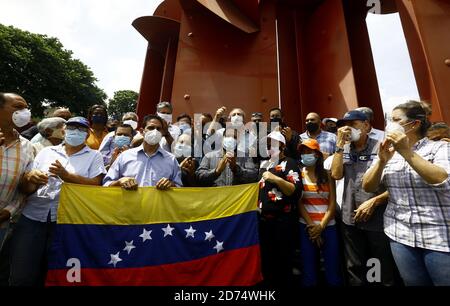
(324,121)
(277,136)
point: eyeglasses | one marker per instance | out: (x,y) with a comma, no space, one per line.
(257,114)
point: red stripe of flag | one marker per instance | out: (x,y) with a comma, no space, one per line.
(239,267)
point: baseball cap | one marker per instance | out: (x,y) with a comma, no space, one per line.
(78,121)
(325,120)
(275,135)
(351,116)
(310,143)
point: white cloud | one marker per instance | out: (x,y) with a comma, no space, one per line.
(99,32)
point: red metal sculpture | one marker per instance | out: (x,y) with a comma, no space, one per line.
(302,55)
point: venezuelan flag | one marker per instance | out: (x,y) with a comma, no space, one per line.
(182,237)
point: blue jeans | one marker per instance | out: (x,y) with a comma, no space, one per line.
(330,254)
(30,244)
(421,267)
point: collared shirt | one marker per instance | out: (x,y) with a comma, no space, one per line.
(355,166)
(246,171)
(147,170)
(376,134)
(42,143)
(326,140)
(418,214)
(14,160)
(87,163)
(94,141)
(107,146)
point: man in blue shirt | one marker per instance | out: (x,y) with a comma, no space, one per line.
(146,165)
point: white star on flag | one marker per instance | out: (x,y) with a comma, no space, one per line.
(190,232)
(114,259)
(145,235)
(219,246)
(209,235)
(168,230)
(129,246)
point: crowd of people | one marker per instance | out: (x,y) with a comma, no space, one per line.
(336,197)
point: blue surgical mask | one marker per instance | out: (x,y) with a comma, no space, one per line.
(75,137)
(121,141)
(309,160)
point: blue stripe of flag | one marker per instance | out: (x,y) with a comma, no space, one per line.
(94,244)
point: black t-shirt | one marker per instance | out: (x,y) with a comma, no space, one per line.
(271,200)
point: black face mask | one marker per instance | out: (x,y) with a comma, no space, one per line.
(111,129)
(312,127)
(332,130)
(276,120)
(99,119)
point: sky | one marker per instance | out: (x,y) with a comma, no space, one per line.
(100,34)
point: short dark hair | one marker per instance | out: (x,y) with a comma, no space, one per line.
(414,110)
(147,118)
(276,109)
(127,126)
(94,107)
(207,115)
(439,125)
(184,115)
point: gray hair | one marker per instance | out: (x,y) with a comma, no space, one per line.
(366,111)
(49,123)
(130,114)
(162,105)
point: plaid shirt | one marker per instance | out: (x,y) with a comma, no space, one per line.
(418,214)
(14,160)
(326,140)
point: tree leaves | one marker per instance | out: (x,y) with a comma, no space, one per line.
(38,68)
(123,101)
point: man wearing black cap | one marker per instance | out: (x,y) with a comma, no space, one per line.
(361,212)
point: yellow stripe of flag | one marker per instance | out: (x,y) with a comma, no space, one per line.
(80,204)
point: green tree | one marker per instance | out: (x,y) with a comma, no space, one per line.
(39,68)
(122,102)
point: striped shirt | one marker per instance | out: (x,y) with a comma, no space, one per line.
(14,160)
(316,199)
(418,214)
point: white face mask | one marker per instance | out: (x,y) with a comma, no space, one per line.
(166,117)
(397,127)
(237,120)
(21,117)
(394,127)
(131,123)
(356,134)
(229,143)
(153,137)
